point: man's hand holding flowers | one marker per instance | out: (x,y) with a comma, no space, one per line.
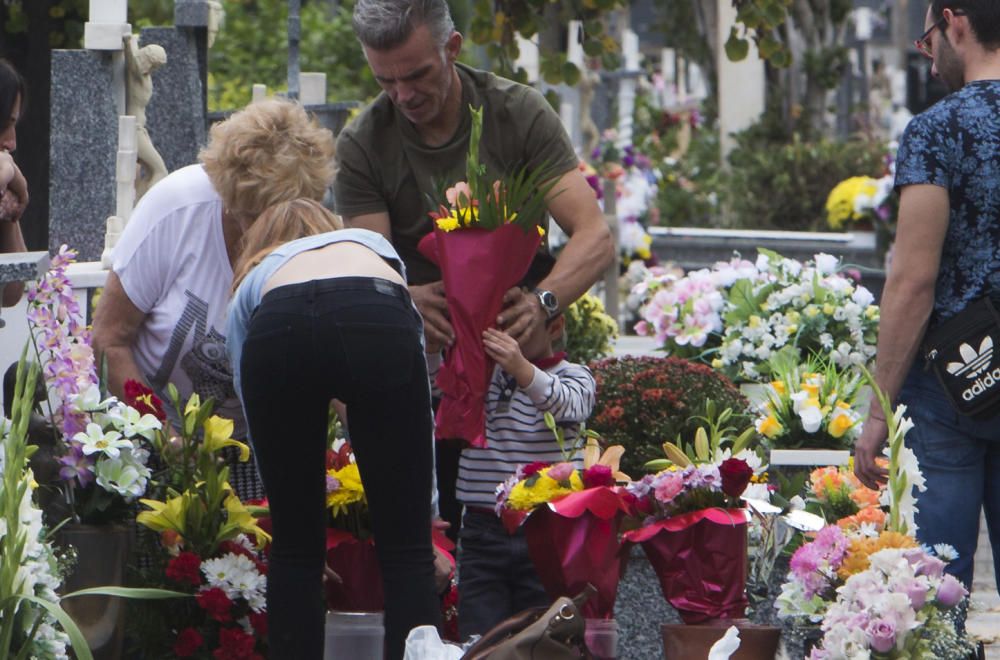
(433,308)
(522,314)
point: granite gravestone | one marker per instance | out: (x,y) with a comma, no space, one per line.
(84,139)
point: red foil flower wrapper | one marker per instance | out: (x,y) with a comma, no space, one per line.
(478,267)
(700,559)
(574,542)
(356,564)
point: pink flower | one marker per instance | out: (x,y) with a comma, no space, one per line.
(667,486)
(950,592)
(561,471)
(598,475)
(459,195)
(881,635)
(916,591)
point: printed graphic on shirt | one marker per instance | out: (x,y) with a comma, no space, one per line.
(207,363)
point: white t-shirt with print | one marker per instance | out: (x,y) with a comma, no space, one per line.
(172,263)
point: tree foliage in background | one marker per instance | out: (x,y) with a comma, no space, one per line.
(496,24)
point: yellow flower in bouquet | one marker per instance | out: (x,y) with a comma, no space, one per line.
(842,203)
(346,490)
(479,203)
(541,487)
(862,547)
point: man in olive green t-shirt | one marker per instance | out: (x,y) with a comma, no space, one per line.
(417,133)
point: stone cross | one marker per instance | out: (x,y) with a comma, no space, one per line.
(125,172)
(626,87)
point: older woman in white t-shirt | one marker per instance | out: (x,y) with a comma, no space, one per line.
(161,316)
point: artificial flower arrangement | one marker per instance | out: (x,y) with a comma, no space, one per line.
(103,444)
(737,314)
(207,542)
(876,592)
(841,497)
(810,406)
(350,546)
(566,508)
(691,523)
(480,225)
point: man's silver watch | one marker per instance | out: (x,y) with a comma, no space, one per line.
(549,303)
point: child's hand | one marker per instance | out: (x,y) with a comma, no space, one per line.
(503,349)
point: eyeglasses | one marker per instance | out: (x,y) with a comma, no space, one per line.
(923,44)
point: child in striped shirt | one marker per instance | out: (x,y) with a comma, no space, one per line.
(496,577)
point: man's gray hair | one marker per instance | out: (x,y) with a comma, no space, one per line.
(386,24)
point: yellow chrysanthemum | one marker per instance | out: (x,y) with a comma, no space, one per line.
(545,489)
(841,204)
(448,223)
(350,490)
(860,549)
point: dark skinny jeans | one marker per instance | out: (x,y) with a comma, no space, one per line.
(357,339)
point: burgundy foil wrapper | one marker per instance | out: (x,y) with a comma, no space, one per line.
(574,542)
(700,559)
(478,267)
(357,565)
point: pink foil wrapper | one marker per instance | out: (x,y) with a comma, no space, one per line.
(357,565)
(477,267)
(700,559)
(574,541)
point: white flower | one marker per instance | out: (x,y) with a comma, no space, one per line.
(134,424)
(862,297)
(238,577)
(95,440)
(826,264)
(122,475)
(89,399)
(812,418)
(945,552)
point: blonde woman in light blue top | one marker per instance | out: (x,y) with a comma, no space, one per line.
(326,316)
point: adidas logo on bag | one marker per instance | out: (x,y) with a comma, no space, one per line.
(973,364)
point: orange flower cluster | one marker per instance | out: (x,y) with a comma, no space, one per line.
(861,548)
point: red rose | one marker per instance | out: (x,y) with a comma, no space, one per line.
(534,468)
(259,622)
(216,603)
(143,400)
(234,644)
(598,475)
(187,643)
(735,475)
(185,568)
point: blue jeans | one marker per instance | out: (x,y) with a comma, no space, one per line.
(960,459)
(496,577)
(358,340)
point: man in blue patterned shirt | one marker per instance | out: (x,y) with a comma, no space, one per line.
(947,255)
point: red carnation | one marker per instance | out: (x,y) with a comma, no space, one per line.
(233,548)
(234,644)
(598,475)
(216,603)
(185,568)
(259,622)
(188,643)
(143,400)
(534,468)
(735,475)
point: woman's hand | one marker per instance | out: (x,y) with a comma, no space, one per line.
(13,189)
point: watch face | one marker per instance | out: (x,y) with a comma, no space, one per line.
(548,300)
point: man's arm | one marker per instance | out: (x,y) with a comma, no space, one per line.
(429,298)
(907,302)
(583,259)
(116,323)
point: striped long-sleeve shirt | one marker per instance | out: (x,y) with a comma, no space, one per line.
(515,426)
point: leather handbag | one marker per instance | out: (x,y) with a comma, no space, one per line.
(539,633)
(964,353)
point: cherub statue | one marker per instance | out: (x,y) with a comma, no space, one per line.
(140,64)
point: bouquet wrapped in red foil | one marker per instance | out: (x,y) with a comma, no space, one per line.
(572,519)
(485,236)
(700,559)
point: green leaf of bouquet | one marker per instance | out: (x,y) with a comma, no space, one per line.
(76,638)
(141,593)
(742,301)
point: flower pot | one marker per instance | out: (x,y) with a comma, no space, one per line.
(601,637)
(102,552)
(683,642)
(358,635)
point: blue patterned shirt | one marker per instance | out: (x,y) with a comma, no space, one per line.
(956,145)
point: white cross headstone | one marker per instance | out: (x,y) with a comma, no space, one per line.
(125,171)
(626,87)
(527,58)
(107,24)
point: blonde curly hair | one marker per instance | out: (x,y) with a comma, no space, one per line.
(269,152)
